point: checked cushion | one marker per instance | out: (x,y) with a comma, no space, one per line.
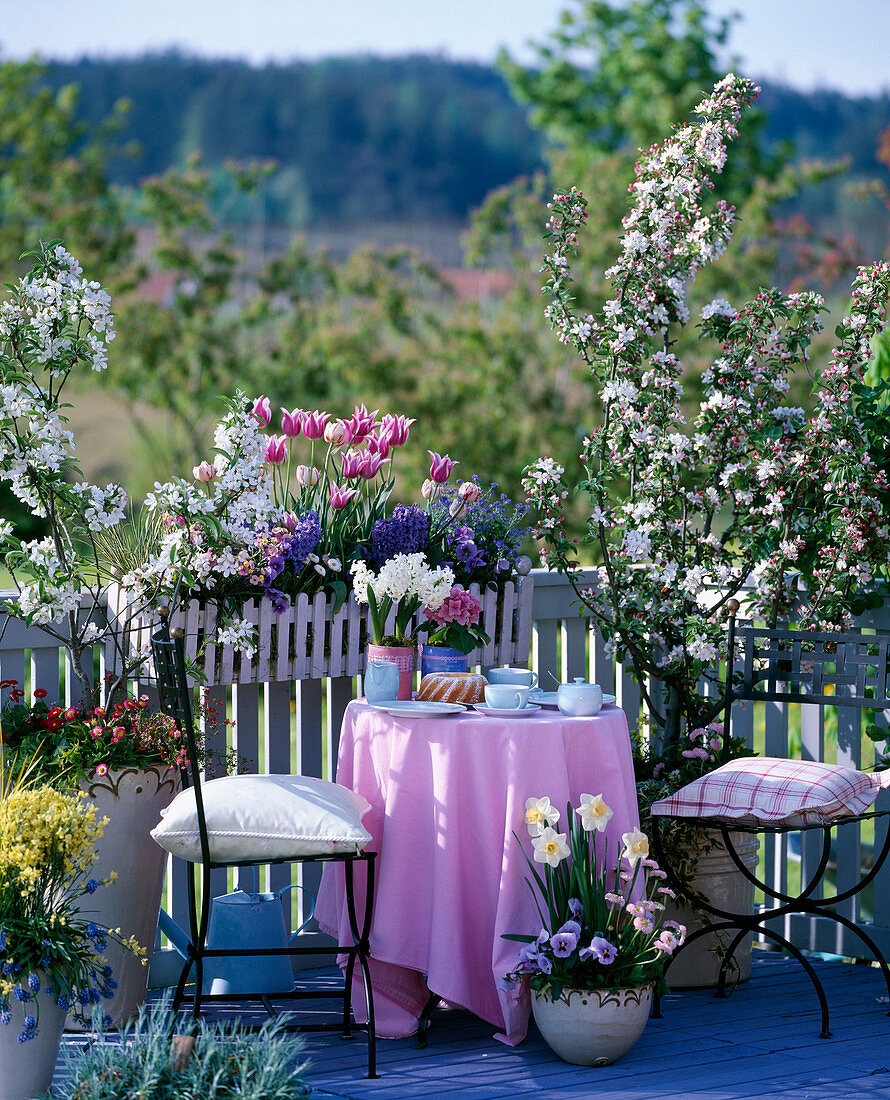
(775,792)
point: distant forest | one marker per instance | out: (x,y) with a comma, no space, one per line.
(360,140)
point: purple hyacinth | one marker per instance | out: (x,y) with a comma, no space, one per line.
(406,531)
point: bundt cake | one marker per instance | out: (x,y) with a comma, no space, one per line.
(453,687)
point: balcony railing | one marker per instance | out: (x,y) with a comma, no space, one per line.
(294,727)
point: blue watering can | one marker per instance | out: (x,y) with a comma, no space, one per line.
(245,919)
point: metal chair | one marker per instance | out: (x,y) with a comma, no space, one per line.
(175,697)
(837,669)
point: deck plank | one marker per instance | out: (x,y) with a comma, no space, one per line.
(762,1042)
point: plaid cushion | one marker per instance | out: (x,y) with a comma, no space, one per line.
(765,790)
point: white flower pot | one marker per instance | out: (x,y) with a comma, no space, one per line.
(132,800)
(592,1027)
(26,1069)
(719,880)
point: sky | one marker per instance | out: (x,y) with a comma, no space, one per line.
(805,43)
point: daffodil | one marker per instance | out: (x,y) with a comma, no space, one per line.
(594,813)
(636,846)
(538,814)
(550,847)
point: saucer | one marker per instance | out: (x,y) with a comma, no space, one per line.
(507,712)
(543,698)
(418,708)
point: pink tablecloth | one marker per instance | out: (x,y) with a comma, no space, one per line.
(446,795)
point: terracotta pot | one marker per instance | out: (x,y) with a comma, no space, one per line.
(26,1069)
(719,880)
(132,800)
(592,1027)
(404,657)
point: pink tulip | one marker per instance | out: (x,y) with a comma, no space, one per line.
(205,472)
(262,410)
(335,433)
(431,491)
(441,467)
(307,476)
(395,429)
(291,422)
(469,491)
(378,445)
(352,465)
(289,519)
(371,464)
(360,424)
(341,497)
(313,424)
(276,450)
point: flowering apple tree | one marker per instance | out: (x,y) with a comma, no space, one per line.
(755,499)
(54,321)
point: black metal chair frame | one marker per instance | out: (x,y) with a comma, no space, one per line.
(175,698)
(795,660)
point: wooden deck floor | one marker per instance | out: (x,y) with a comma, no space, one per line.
(761,1042)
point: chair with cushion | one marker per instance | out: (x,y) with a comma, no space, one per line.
(253,820)
(769,795)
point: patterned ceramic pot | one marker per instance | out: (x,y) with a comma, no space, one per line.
(404,657)
(441,658)
(592,1027)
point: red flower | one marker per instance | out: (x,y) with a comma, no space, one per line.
(40,693)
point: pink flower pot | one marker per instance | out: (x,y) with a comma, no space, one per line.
(404,657)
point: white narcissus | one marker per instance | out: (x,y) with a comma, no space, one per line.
(636,846)
(594,813)
(550,847)
(538,814)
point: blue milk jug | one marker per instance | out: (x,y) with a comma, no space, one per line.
(381,681)
(251,920)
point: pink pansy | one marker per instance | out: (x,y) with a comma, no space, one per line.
(395,429)
(313,424)
(291,422)
(440,467)
(340,497)
(262,410)
(205,472)
(276,450)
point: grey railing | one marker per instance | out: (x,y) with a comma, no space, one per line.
(294,727)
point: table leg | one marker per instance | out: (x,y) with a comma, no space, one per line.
(424,1020)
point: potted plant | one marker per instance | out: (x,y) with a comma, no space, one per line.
(52,948)
(394,595)
(593,966)
(126,759)
(216,1061)
(453,631)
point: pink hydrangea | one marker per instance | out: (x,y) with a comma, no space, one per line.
(459,607)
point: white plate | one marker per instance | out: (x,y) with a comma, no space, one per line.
(418,708)
(507,712)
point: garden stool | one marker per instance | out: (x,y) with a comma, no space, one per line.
(251,821)
(768,795)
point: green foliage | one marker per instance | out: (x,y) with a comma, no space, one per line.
(227,1061)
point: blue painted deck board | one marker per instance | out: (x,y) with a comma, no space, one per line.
(762,1042)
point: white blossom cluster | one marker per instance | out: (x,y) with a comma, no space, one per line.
(402,577)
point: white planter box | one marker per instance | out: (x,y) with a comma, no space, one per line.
(308,641)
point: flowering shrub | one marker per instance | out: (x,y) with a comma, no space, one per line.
(455,622)
(62,746)
(406,582)
(54,321)
(47,942)
(757,492)
(481,532)
(605,926)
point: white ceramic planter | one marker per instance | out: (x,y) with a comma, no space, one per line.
(26,1069)
(592,1027)
(719,880)
(132,800)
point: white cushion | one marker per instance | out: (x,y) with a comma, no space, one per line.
(265,817)
(774,792)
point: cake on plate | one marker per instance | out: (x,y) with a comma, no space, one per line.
(453,687)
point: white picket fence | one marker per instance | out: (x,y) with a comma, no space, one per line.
(292,725)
